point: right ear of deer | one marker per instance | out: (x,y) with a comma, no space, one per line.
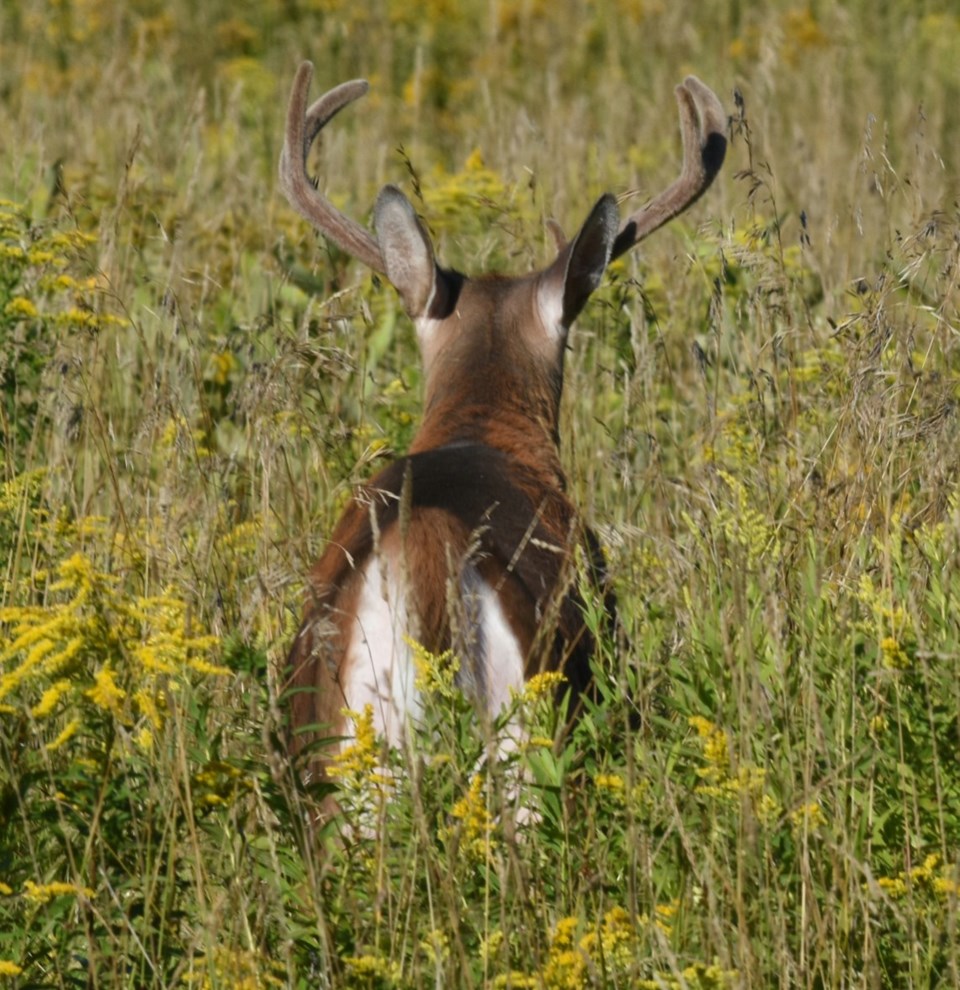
(406,250)
(578,269)
(303,125)
(702,127)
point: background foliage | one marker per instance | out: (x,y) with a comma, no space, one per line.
(761,418)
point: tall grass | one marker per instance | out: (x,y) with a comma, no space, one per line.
(760,419)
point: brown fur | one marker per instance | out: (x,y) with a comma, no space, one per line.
(524,533)
(481,498)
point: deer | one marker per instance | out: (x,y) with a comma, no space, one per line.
(470,542)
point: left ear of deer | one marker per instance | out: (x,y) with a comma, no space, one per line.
(406,250)
(470,541)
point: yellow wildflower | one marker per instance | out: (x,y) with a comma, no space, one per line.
(542,686)
(715,749)
(50,698)
(539,742)
(946,886)
(516,981)
(210,669)
(893,887)
(222,365)
(809,816)
(491,945)
(66,734)
(361,756)
(566,969)
(924,873)
(894,656)
(146,702)
(618,935)
(663,915)
(436,947)
(105,693)
(477,823)
(368,969)
(609,782)
(42,893)
(564,932)
(436,672)
(21,308)
(878,725)
(700,975)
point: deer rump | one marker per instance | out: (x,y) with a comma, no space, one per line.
(482,550)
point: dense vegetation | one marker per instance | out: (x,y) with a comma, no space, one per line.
(760,419)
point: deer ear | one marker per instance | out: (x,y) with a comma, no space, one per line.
(406,249)
(577,270)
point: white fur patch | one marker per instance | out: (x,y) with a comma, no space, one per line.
(502,661)
(428,334)
(550,307)
(379,665)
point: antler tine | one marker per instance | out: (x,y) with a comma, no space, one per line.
(303,125)
(702,126)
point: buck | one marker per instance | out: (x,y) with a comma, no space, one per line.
(470,542)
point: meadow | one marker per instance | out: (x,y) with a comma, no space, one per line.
(760,420)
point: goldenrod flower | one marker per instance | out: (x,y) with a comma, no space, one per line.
(542,686)
(809,816)
(564,931)
(895,657)
(66,734)
(565,970)
(106,693)
(436,947)
(893,887)
(946,886)
(715,749)
(50,698)
(477,823)
(360,757)
(436,672)
(369,968)
(209,669)
(42,893)
(21,308)
(609,782)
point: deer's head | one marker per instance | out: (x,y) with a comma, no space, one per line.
(492,346)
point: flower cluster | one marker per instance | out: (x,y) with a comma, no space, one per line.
(726,783)
(609,953)
(476,824)
(94,650)
(932,876)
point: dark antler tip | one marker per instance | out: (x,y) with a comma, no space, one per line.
(713,152)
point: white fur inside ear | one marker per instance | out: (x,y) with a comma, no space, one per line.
(550,308)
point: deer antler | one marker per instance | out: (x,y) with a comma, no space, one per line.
(303,125)
(702,126)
